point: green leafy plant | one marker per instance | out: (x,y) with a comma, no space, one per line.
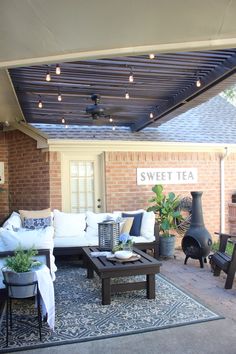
(166,208)
(22,261)
(229,247)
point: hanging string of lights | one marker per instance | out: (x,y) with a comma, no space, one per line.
(131,80)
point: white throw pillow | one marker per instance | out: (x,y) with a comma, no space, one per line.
(93,219)
(24,238)
(148,224)
(69,224)
(13,222)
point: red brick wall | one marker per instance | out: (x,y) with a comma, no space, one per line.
(123,193)
(28,173)
(4,204)
(33,178)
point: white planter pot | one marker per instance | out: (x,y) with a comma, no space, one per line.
(23,291)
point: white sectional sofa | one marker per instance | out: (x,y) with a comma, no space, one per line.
(71,231)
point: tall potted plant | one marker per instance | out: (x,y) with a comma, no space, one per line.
(19,269)
(168,215)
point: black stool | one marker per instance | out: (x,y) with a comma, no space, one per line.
(35,293)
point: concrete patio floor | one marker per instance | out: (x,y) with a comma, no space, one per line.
(210,337)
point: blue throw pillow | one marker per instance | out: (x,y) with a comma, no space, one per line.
(136,226)
(39,223)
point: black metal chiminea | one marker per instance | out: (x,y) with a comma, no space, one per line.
(197,241)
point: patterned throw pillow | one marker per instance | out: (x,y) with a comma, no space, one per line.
(39,223)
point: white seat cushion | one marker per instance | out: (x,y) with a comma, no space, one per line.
(24,238)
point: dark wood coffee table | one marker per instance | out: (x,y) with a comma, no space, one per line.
(107,270)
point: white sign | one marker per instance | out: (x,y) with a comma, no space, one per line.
(166,176)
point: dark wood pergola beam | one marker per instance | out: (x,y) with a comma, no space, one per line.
(220,73)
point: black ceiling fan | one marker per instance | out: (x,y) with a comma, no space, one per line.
(97,110)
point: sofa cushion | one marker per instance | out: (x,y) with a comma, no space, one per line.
(35,214)
(13,222)
(148,224)
(39,223)
(92,220)
(38,239)
(126,224)
(136,225)
(69,224)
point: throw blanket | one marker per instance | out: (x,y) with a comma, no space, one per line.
(46,290)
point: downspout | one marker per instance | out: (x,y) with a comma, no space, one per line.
(222,189)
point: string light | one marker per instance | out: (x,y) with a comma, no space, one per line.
(131,76)
(198,83)
(59,97)
(127,95)
(151,56)
(40,103)
(63,121)
(113,128)
(48,76)
(58,69)
(151,115)
(110,120)
(66,126)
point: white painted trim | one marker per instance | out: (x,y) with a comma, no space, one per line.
(137,50)
(145,146)
(33,133)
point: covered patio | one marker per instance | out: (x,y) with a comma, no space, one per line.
(97,49)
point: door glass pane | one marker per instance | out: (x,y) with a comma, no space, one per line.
(82,186)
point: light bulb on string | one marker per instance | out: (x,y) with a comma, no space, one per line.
(151,56)
(113,128)
(40,104)
(63,121)
(151,115)
(127,95)
(59,97)
(58,69)
(48,76)
(110,120)
(198,83)
(66,126)
(131,77)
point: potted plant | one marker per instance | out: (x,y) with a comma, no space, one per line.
(19,269)
(166,209)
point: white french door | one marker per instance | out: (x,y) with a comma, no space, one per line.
(82,182)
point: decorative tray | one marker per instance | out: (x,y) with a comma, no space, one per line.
(135,257)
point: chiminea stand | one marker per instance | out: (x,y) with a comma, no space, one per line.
(197,241)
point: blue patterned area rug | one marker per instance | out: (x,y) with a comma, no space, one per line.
(81,317)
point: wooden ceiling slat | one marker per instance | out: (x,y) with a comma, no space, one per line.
(162,83)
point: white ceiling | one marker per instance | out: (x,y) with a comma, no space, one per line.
(44,31)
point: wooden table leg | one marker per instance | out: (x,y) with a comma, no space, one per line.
(106,291)
(151,288)
(90,273)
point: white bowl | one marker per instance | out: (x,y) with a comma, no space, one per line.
(123,254)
